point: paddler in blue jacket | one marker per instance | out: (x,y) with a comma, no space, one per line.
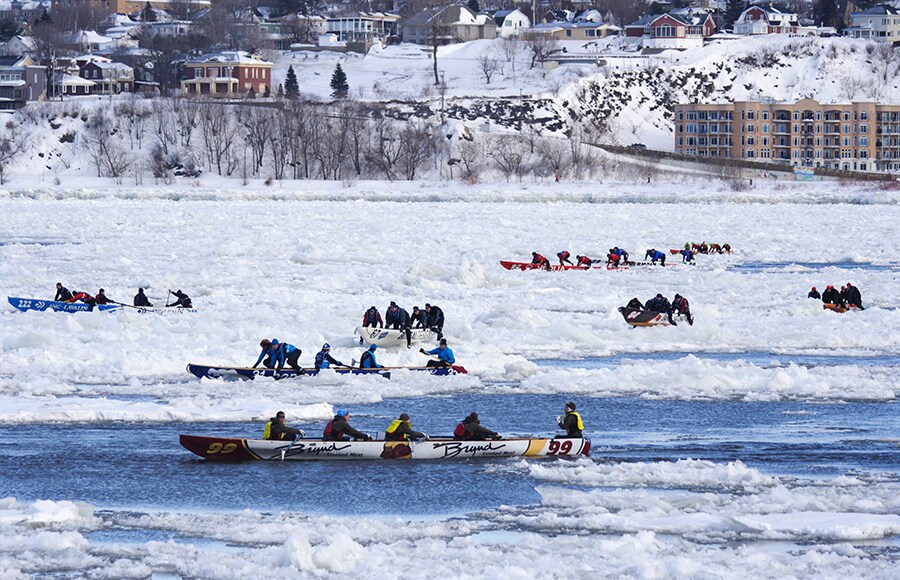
(278,353)
(367,360)
(444,354)
(324,359)
(655,255)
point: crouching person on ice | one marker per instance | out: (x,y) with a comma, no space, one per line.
(339,429)
(470,429)
(400,429)
(276,429)
(443,353)
(571,423)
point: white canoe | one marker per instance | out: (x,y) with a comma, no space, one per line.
(391,337)
(228,449)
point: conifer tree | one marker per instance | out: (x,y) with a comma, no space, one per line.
(291,87)
(339,87)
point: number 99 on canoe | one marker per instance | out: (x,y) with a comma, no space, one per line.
(557,448)
(223,449)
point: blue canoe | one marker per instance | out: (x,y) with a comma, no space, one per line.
(26,304)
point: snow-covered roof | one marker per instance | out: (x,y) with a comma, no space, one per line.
(72,80)
(229,57)
(89,36)
(880,10)
(112,66)
(86,58)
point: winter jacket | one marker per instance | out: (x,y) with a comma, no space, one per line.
(338,427)
(372,318)
(63,294)
(140,299)
(398,319)
(443,354)
(435,317)
(324,360)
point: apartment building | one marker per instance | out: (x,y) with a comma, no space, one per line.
(853,137)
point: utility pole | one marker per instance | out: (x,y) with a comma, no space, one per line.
(443,89)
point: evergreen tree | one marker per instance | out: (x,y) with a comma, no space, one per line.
(828,13)
(733,10)
(339,87)
(473,6)
(148,14)
(291,87)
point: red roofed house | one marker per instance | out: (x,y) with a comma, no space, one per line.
(766,20)
(227,74)
(673,30)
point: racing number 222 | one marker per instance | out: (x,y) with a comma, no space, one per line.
(557,448)
(220,448)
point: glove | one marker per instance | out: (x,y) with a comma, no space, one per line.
(302,432)
(499,436)
(425,436)
(559,420)
(422,350)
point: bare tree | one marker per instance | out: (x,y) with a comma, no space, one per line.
(220,132)
(508,156)
(49,41)
(416,148)
(488,66)
(111,158)
(554,154)
(509,48)
(12,144)
(259,125)
(542,46)
(471,158)
(163,125)
(386,148)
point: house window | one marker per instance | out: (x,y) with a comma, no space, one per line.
(590,33)
(664,31)
(568,34)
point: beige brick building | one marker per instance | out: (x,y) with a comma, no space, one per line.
(855,136)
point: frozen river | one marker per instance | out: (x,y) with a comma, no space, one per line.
(760,442)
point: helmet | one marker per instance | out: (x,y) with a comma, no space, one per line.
(570,405)
(373,347)
(372,308)
(326,346)
(814,288)
(678,296)
(404,417)
(342,413)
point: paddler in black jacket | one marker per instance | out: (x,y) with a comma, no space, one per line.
(339,429)
(571,422)
(277,430)
(398,318)
(140,299)
(401,430)
(470,429)
(102,298)
(62,293)
(418,318)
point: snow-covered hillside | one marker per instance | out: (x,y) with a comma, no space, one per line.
(390,127)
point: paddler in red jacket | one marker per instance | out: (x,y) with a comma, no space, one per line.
(564,258)
(540,261)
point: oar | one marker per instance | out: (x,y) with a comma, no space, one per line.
(285,451)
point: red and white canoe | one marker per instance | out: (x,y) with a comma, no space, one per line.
(228,449)
(557,268)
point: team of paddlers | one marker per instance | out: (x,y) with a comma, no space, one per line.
(848,296)
(432,317)
(276,354)
(63,294)
(400,429)
(661,304)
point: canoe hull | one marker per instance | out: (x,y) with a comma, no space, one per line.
(26,304)
(229,449)
(248,373)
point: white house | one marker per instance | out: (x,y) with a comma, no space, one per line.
(880,22)
(510,22)
(766,19)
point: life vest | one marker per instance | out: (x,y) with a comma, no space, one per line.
(367,361)
(461,433)
(681,304)
(584,261)
(614,258)
(330,433)
(395,424)
(580,425)
(539,259)
(267,431)
(320,361)
(563,255)
(370,318)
